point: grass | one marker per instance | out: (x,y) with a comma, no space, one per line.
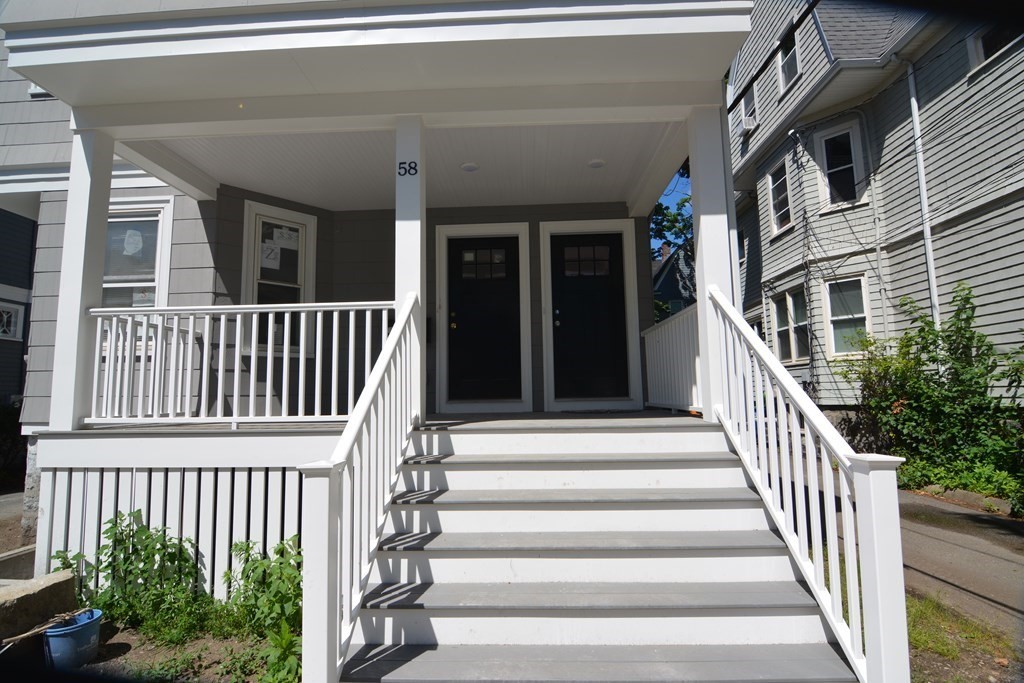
(933,627)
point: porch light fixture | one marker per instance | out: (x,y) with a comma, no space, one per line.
(596,163)
(470,167)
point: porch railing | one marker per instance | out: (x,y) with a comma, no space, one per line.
(845,542)
(290,362)
(345,501)
(672,355)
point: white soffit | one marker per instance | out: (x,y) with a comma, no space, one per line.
(517,165)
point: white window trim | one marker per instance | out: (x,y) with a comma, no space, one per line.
(783,86)
(752,91)
(974,49)
(860,187)
(830,351)
(254,211)
(19,327)
(776,230)
(163,207)
(790,324)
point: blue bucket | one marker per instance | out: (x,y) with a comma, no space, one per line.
(73,645)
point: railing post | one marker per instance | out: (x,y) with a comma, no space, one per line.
(881,561)
(321,606)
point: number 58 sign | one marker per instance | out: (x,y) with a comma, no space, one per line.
(407,168)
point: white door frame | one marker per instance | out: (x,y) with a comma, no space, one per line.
(444,233)
(626,228)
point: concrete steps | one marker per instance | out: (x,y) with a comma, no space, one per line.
(568,552)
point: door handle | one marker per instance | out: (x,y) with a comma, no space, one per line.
(453,326)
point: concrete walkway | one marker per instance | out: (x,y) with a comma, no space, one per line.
(973,561)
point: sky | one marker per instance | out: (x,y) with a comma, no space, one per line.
(676,188)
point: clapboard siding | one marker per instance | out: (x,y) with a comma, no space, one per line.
(32,132)
(749,224)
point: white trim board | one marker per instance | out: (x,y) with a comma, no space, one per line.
(626,228)
(444,233)
(163,207)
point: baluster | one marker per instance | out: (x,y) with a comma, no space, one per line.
(318,363)
(831,533)
(286,364)
(851,559)
(158,367)
(115,399)
(335,342)
(97,362)
(749,415)
(236,399)
(368,343)
(798,482)
(172,390)
(784,457)
(129,370)
(271,341)
(207,363)
(187,408)
(762,447)
(221,351)
(143,362)
(302,363)
(812,493)
(772,437)
(351,361)
(254,330)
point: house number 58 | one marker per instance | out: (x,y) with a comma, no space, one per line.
(407,168)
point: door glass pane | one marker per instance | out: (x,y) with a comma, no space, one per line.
(276,294)
(279,252)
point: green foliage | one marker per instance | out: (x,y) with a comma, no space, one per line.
(931,397)
(283,656)
(238,667)
(185,666)
(266,591)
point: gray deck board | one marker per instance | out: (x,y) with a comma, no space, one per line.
(616,459)
(819,663)
(581,496)
(584,541)
(577,596)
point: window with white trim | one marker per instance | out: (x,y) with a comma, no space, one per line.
(278,248)
(788,60)
(792,338)
(137,253)
(988,42)
(778,197)
(845,314)
(12,317)
(748,109)
(840,163)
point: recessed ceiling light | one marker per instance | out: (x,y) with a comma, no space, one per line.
(470,167)
(596,163)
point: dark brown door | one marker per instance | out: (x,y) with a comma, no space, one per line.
(483,319)
(589,316)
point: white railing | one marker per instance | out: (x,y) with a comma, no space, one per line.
(845,542)
(672,355)
(345,500)
(290,362)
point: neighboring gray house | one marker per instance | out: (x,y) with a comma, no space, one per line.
(842,190)
(673,280)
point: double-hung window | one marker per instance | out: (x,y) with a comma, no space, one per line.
(12,318)
(792,340)
(778,195)
(137,251)
(988,42)
(788,63)
(839,157)
(845,314)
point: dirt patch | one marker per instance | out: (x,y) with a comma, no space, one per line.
(971,666)
(10,534)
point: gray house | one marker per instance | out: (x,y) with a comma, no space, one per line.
(876,154)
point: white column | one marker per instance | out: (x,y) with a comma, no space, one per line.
(411,243)
(881,567)
(710,199)
(81,277)
(325,616)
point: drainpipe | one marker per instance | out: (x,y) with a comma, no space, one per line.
(922,185)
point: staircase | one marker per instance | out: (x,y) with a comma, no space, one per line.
(584,550)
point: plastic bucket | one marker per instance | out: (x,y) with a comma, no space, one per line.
(76,643)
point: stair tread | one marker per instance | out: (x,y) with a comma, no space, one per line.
(571,458)
(818,662)
(583,595)
(574,495)
(583,541)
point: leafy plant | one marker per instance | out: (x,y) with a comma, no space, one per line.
(238,667)
(933,397)
(185,666)
(266,590)
(283,656)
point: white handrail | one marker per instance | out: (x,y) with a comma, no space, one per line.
(796,460)
(250,308)
(346,498)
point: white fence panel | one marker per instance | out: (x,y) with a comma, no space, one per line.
(672,353)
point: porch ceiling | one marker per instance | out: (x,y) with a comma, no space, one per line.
(516,164)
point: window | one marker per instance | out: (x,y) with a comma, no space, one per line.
(778,196)
(749,104)
(788,66)
(278,249)
(741,245)
(792,341)
(11,319)
(137,251)
(987,43)
(846,316)
(839,157)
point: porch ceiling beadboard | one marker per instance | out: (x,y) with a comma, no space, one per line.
(517,164)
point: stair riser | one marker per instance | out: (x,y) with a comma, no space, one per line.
(408,567)
(582,627)
(590,441)
(718,475)
(462,518)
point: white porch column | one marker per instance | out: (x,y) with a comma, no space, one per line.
(81,277)
(411,242)
(714,259)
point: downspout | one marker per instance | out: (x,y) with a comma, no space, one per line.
(922,185)
(882,288)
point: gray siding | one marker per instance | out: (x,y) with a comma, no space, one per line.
(32,132)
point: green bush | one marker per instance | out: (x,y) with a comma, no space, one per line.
(932,397)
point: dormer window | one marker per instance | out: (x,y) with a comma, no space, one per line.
(788,61)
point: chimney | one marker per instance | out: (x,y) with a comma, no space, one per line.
(666,250)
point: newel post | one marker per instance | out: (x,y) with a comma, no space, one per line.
(881,560)
(322,610)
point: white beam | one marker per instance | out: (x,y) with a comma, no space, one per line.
(710,201)
(160,162)
(81,277)
(411,241)
(651,183)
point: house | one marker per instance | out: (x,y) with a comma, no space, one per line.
(874,159)
(672,278)
(377,276)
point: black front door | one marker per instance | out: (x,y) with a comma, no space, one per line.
(483,319)
(588,304)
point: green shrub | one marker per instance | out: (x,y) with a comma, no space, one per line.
(931,397)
